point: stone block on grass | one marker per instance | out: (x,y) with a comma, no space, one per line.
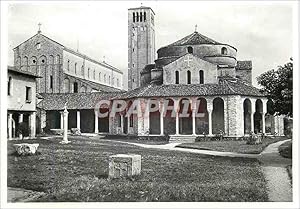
(124,165)
(26,149)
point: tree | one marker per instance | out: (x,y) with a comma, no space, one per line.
(278,85)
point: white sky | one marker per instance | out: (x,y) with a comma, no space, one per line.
(261,31)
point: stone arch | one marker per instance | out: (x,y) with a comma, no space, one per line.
(218,116)
(247,115)
(57,59)
(269,118)
(51,60)
(190,50)
(202,122)
(66,85)
(185,116)
(42,60)
(154,117)
(33,64)
(258,116)
(83,89)
(169,117)
(75,87)
(25,62)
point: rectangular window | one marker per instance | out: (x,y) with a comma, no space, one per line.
(51,82)
(9,84)
(28,97)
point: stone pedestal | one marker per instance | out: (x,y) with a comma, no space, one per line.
(26,149)
(124,165)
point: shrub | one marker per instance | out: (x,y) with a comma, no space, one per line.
(254,139)
(23,129)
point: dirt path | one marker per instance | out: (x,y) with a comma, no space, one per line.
(274,168)
(22,195)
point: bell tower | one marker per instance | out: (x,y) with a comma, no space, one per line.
(141,42)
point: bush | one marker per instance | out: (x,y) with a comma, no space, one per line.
(285,150)
(254,138)
(23,129)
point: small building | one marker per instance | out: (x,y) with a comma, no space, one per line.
(21,98)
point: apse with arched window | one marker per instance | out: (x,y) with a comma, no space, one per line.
(176,77)
(201,77)
(189,77)
(224,50)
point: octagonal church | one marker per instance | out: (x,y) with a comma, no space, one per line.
(193,70)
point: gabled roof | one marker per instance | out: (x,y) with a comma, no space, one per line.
(74,100)
(194,39)
(23,72)
(76,53)
(226,86)
(95,85)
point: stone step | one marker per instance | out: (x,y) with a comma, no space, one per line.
(182,139)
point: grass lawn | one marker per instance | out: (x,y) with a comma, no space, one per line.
(78,172)
(134,139)
(285,149)
(232,146)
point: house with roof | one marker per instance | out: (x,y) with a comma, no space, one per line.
(21,101)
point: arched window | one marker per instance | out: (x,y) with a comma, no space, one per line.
(176,77)
(201,76)
(141,17)
(66,85)
(224,50)
(68,65)
(188,77)
(88,72)
(190,50)
(133,17)
(144,16)
(75,68)
(75,88)
(100,76)
(118,84)
(57,59)
(9,85)
(26,61)
(94,75)
(104,78)
(109,79)
(82,70)
(137,16)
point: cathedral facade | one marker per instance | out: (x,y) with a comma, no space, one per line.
(194,70)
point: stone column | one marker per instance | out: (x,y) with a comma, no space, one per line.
(252,121)
(61,120)
(176,106)
(32,124)
(20,121)
(9,125)
(78,119)
(65,119)
(209,110)
(194,115)
(96,122)
(161,118)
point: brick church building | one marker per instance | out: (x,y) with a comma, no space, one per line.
(194,70)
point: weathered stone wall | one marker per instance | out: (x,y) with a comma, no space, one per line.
(195,65)
(245,75)
(17,99)
(141,44)
(42,56)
